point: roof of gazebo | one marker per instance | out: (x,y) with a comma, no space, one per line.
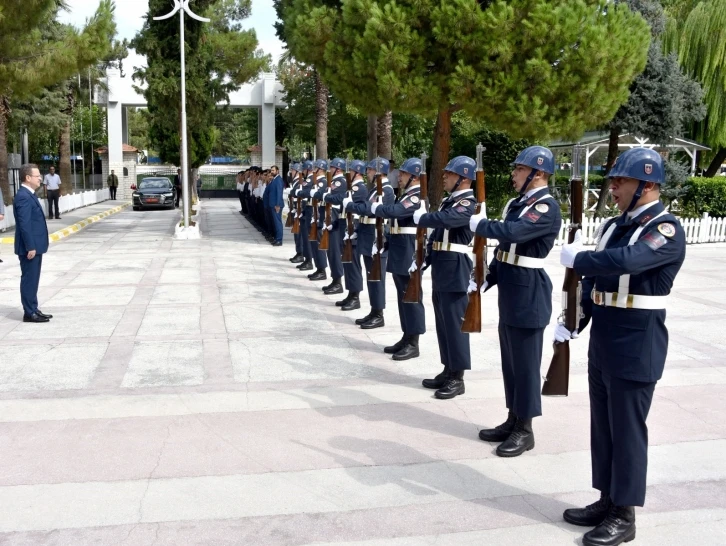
(627,140)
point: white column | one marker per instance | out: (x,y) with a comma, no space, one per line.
(267,121)
(114,112)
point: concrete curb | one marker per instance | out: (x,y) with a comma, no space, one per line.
(75,228)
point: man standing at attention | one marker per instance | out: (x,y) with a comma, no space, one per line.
(31,241)
(52,187)
(112,183)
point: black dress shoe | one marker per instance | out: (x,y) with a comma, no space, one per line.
(618,527)
(35,317)
(57,217)
(352,304)
(364,319)
(305,266)
(345,300)
(438,381)
(500,432)
(39,312)
(335,288)
(319,275)
(277,243)
(409,350)
(590,516)
(520,440)
(454,386)
(396,346)
(376,321)
(297,259)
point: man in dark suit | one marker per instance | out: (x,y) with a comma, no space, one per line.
(178,187)
(275,204)
(31,241)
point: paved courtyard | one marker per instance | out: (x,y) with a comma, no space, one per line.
(206,393)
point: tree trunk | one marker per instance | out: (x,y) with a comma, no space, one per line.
(372,137)
(383,136)
(440,156)
(612,156)
(719,158)
(321,117)
(4,181)
(64,152)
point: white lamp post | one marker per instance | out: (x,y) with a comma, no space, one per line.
(182,6)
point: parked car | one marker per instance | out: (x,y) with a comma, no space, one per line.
(154,191)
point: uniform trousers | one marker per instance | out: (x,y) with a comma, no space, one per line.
(305,234)
(29,281)
(335,252)
(412,315)
(354,272)
(241,196)
(298,243)
(376,289)
(449,311)
(619,436)
(521,351)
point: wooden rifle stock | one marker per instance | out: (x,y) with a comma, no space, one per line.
(347,257)
(313,233)
(557,381)
(325,238)
(296,221)
(413,290)
(472,317)
(288,222)
(376,267)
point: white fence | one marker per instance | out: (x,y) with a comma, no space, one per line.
(66,203)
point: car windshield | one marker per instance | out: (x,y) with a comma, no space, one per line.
(154,184)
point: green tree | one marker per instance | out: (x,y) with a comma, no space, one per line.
(31,60)
(534,68)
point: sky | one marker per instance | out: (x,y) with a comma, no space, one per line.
(130,13)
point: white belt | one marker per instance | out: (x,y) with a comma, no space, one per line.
(628,301)
(451,247)
(368,221)
(403,230)
(520,261)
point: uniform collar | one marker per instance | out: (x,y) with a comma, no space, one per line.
(645,213)
(641,209)
(461,193)
(412,189)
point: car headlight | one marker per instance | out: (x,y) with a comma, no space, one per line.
(168,195)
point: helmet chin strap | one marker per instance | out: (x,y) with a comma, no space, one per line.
(527,182)
(636,197)
(456,186)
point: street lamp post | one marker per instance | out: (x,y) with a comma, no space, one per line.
(182,6)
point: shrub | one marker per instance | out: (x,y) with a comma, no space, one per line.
(705,195)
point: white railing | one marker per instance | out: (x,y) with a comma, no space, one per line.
(65,203)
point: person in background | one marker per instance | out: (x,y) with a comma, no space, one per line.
(112,183)
(240,193)
(275,205)
(178,187)
(52,187)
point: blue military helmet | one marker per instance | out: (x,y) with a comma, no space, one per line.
(641,164)
(463,166)
(295,167)
(536,157)
(321,164)
(307,165)
(358,166)
(338,163)
(383,164)
(411,166)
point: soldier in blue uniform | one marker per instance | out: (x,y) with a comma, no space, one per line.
(624,291)
(315,190)
(303,193)
(448,254)
(295,168)
(353,270)
(335,195)
(401,246)
(367,242)
(526,235)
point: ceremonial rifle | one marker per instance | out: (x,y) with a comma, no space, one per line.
(296,222)
(289,221)
(557,381)
(347,257)
(313,233)
(413,290)
(472,318)
(325,238)
(376,267)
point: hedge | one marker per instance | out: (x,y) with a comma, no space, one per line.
(705,195)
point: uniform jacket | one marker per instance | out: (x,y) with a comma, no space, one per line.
(274,193)
(451,271)
(359,194)
(401,247)
(525,294)
(338,191)
(31,231)
(367,232)
(632,343)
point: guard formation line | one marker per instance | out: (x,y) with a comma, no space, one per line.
(343,210)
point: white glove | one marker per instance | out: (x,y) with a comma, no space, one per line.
(475,219)
(346,202)
(298,191)
(563,334)
(329,227)
(570,251)
(374,250)
(414,266)
(472,286)
(346,236)
(354,236)
(418,214)
(374,206)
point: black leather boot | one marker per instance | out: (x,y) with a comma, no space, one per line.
(345,300)
(454,386)
(376,320)
(353,303)
(396,346)
(618,527)
(590,516)
(520,440)
(438,381)
(307,265)
(319,275)
(500,432)
(409,350)
(334,288)
(364,319)
(297,259)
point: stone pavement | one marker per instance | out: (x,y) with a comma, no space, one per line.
(205,392)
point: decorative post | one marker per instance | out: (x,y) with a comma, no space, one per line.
(182,6)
